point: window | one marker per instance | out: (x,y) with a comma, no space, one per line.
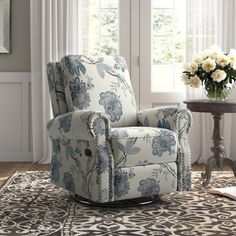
(168,44)
(153,31)
(100,27)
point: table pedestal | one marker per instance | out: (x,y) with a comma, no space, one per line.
(219,157)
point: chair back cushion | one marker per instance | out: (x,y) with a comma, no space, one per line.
(56,89)
(100,84)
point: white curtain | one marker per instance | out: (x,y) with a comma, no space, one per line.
(209,22)
(54,32)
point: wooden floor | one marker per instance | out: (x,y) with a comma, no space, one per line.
(8,168)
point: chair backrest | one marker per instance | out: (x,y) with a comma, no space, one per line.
(56,89)
(100,84)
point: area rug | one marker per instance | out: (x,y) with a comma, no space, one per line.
(30,205)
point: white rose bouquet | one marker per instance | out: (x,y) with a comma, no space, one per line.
(213,69)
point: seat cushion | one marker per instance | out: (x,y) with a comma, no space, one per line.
(100,84)
(137,146)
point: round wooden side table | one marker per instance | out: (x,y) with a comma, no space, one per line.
(217,109)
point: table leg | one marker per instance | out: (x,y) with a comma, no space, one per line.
(217,149)
(211,163)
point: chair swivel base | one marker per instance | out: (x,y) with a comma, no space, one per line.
(121,203)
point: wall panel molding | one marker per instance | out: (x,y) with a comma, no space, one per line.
(15,117)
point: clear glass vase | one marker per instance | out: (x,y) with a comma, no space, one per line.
(218,93)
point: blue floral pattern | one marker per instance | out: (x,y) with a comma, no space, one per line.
(111,104)
(163,124)
(149,187)
(102,67)
(65,122)
(121,183)
(105,164)
(163,143)
(100,83)
(79,94)
(56,165)
(76,67)
(56,147)
(103,153)
(101,127)
(120,64)
(69,182)
(56,89)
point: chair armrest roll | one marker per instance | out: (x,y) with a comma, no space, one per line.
(84,125)
(176,119)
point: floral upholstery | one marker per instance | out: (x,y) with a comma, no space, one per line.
(95,155)
(178,120)
(146,180)
(57,89)
(100,84)
(140,146)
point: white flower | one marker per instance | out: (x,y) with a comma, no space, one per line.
(195,81)
(215,52)
(218,75)
(185,78)
(193,67)
(232,58)
(186,67)
(198,59)
(208,65)
(223,60)
(233,65)
(206,53)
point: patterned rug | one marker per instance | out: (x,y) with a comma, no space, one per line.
(31,205)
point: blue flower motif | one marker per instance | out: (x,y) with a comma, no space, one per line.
(100,127)
(103,153)
(56,165)
(64,77)
(149,187)
(74,65)
(112,105)
(56,146)
(170,111)
(102,67)
(120,64)
(65,122)
(119,133)
(79,94)
(163,124)
(121,183)
(163,143)
(69,182)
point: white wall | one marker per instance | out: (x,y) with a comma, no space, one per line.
(15,121)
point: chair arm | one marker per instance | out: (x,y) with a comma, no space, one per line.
(84,125)
(176,119)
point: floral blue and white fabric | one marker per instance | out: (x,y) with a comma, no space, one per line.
(178,120)
(144,181)
(96,154)
(140,146)
(56,89)
(100,84)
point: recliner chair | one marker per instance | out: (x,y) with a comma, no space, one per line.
(102,148)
